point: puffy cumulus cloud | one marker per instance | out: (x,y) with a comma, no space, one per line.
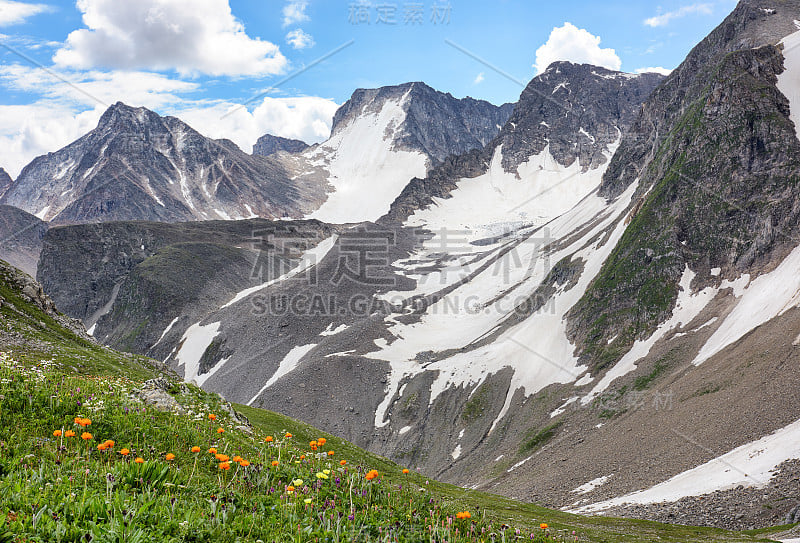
(306,118)
(577,45)
(654,69)
(93,87)
(12,13)
(299,39)
(28,131)
(190,36)
(665,18)
(295,12)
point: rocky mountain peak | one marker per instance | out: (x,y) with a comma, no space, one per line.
(269,145)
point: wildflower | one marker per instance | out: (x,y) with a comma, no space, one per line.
(82,422)
(225,466)
(195,449)
(288,435)
(343,462)
(69,433)
(124,452)
(244,463)
(222,457)
(321,441)
(274,463)
(312,444)
(57,433)
(463,515)
(220,430)
(86,436)
(109,443)
(405,471)
(139,460)
(102,447)
(307,500)
(302,457)
(371,474)
(237,458)
(330,453)
(289,489)
(297,482)
(212,417)
(170,457)
(268,439)
(326,471)
(543,526)
(321,475)
(212,450)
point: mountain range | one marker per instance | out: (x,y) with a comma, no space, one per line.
(588,299)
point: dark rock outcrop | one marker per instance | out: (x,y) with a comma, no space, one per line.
(269,145)
(20,238)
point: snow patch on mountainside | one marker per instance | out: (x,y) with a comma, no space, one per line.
(789,80)
(365,170)
(537,349)
(540,190)
(766,297)
(194,343)
(287,365)
(751,465)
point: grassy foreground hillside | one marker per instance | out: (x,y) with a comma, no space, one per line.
(84,458)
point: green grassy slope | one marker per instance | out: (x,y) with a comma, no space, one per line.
(57,487)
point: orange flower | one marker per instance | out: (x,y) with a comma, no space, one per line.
(290,489)
(222,457)
(69,433)
(124,452)
(274,463)
(102,447)
(224,466)
(322,441)
(82,422)
(244,463)
(86,436)
(268,439)
(212,450)
(109,443)
(371,474)
(330,453)
(220,430)
(139,460)
(170,457)
(312,444)
(343,462)
(237,458)
(302,457)
(543,526)
(57,433)
(463,515)
(195,449)
(212,417)
(313,447)
(288,435)
(405,470)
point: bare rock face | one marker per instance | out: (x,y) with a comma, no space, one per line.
(5,182)
(21,238)
(269,145)
(137,165)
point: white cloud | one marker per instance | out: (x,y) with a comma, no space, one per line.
(654,69)
(299,39)
(12,13)
(575,45)
(32,130)
(665,18)
(190,36)
(92,87)
(478,79)
(306,118)
(295,12)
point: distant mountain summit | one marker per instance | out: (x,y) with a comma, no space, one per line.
(269,145)
(137,165)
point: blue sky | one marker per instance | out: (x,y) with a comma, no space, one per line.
(198,59)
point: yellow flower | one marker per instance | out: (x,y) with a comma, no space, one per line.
(321,475)
(326,471)
(297,482)
(307,500)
